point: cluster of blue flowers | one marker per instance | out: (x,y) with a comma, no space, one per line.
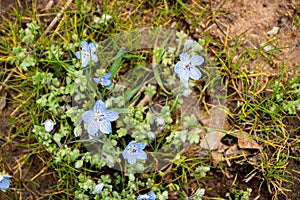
(99,119)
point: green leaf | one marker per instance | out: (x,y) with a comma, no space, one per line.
(159,54)
(27,62)
(159,81)
(116,65)
(133,92)
(193,136)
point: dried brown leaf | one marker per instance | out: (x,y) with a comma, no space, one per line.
(245,142)
(2,100)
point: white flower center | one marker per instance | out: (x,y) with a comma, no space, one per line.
(98,116)
(186,64)
(132,149)
(85,54)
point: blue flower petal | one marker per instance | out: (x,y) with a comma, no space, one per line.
(126,153)
(195,73)
(93,128)
(106,82)
(5,176)
(98,188)
(131,156)
(88,116)
(99,119)
(87,53)
(107,75)
(152,196)
(178,67)
(182,72)
(131,159)
(149,196)
(105,126)
(95,58)
(140,146)
(110,115)
(184,57)
(99,106)
(84,45)
(196,60)
(4,184)
(142,197)
(78,54)
(184,75)
(97,80)
(85,59)
(141,155)
(93,47)
(188,44)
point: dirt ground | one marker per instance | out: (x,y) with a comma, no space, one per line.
(254,22)
(256,19)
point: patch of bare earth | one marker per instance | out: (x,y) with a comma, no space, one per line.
(268,26)
(31,178)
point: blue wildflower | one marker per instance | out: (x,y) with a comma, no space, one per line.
(48,125)
(186,68)
(160,121)
(188,44)
(99,119)
(104,80)
(149,196)
(134,151)
(4,183)
(98,188)
(87,53)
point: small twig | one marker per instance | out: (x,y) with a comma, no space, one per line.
(57,16)
(19,4)
(7,78)
(156,162)
(144,101)
(137,94)
(218,23)
(20,106)
(246,180)
(49,4)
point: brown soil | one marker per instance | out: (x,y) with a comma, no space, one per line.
(31,178)
(250,21)
(253,20)
(28,179)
